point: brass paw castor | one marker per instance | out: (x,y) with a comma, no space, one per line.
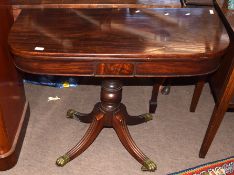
(147,117)
(71,113)
(63,160)
(149,165)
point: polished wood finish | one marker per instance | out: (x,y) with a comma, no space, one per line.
(110,112)
(217,80)
(197,93)
(153,103)
(114,42)
(221,106)
(117,43)
(228,18)
(14,110)
(222,82)
(18,5)
(115,69)
(198,2)
(96,3)
(201,80)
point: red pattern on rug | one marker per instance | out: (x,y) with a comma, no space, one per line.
(220,167)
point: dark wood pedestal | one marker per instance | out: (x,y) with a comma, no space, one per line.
(14,109)
(110,112)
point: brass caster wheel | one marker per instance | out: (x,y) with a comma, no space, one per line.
(166,90)
(147,117)
(63,160)
(71,113)
(149,165)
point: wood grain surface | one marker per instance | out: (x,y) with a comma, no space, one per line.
(158,42)
(96,3)
(198,2)
(222,82)
(14,111)
(218,80)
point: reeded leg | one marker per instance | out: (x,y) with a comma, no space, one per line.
(110,112)
(126,139)
(90,135)
(135,120)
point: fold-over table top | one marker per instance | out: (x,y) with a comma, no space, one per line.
(190,36)
(96,3)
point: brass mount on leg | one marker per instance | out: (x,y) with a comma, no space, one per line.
(63,160)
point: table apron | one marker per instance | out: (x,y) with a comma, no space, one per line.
(160,68)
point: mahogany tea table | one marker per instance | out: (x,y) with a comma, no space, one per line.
(114,43)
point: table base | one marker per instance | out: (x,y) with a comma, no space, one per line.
(109,113)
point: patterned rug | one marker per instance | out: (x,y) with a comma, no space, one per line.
(220,167)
